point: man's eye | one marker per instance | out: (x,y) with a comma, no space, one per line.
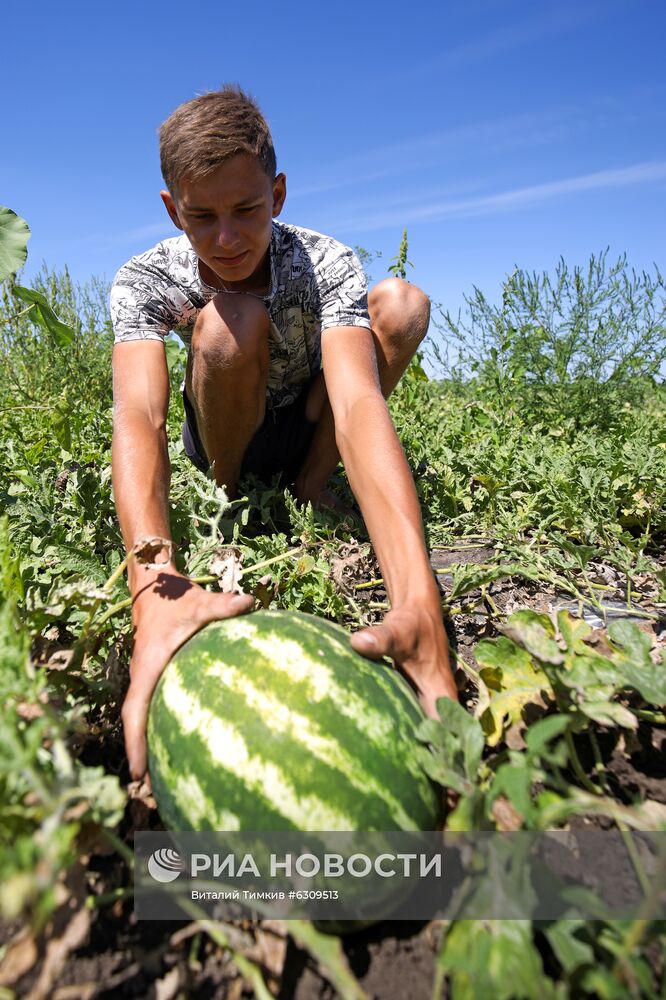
(248,208)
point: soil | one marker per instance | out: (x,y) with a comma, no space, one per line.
(117,956)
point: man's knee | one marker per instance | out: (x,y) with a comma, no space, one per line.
(231,331)
(399,313)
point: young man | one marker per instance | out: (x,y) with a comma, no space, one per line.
(289,366)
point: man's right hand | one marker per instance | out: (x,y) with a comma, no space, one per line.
(167,610)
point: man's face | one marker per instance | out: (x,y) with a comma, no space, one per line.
(227,218)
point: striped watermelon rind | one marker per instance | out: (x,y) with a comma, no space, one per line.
(271,721)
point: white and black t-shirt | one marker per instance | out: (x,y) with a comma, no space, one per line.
(316,283)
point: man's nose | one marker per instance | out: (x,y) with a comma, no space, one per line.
(227,234)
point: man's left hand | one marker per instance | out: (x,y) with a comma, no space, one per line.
(415,639)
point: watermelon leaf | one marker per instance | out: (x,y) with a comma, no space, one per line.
(457,741)
(493,958)
(635,664)
(513,681)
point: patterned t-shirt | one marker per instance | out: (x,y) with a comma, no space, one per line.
(316,283)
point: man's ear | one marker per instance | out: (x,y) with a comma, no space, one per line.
(279,193)
(170,205)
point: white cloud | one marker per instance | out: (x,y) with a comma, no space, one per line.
(641,173)
(491,136)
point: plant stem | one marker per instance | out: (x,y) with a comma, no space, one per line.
(255,566)
(246,967)
(119,845)
(658,718)
(113,610)
(588,785)
(94,902)
(485,596)
(121,605)
(274,559)
(117,573)
(598,761)
(18,315)
(459,548)
(636,931)
(33,406)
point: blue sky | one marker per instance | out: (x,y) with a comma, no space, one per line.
(500,132)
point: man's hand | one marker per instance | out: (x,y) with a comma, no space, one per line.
(414,637)
(168,609)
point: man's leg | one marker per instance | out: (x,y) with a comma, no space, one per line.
(226,380)
(399,314)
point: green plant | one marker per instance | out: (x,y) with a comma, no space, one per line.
(575,347)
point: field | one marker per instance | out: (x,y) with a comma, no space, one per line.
(540,460)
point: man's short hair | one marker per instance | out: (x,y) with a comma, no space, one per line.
(204,132)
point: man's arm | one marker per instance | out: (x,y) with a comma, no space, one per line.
(412,633)
(140,458)
(167,608)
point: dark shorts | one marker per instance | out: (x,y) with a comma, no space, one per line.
(280,444)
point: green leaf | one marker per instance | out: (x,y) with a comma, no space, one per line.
(14,236)
(594,678)
(61,424)
(573,631)
(105,796)
(328,952)
(457,740)
(176,354)
(72,560)
(432,731)
(609,713)
(493,958)
(460,723)
(44,315)
(437,770)
(543,731)
(535,632)
(513,681)
(635,664)
(516,784)
(570,951)
(468,576)
(601,983)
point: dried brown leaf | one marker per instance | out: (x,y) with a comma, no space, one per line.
(264,592)
(60,660)
(142,790)
(271,951)
(29,711)
(20,957)
(226,565)
(351,564)
(506,816)
(77,991)
(57,952)
(513,737)
(167,987)
(184,933)
(146,550)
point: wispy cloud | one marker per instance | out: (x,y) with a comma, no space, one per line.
(518,30)
(490,136)
(433,211)
(548,23)
(100,242)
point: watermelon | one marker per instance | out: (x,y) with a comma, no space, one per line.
(271,721)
